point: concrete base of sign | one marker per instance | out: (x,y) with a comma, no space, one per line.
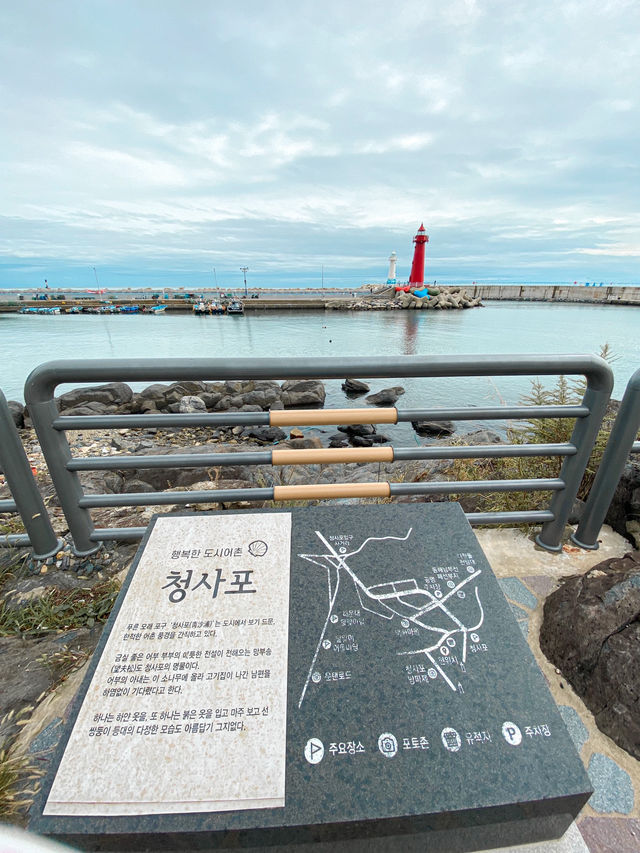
(414,706)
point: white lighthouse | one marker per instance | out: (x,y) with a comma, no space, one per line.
(391,279)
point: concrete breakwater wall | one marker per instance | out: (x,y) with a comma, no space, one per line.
(557,293)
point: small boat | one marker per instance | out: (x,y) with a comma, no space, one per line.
(75,309)
(235,307)
(129,309)
(157,309)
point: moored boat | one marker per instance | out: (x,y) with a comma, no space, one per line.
(235,307)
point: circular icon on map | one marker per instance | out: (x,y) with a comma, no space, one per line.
(343,550)
(438,593)
(451,642)
(258,548)
(405,623)
(316,678)
(451,740)
(450,584)
(334,619)
(326,644)
(461,594)
(474,638)
(387,744)
(314,751)
(432,673)
(512,734)
(470,569)
(444,650)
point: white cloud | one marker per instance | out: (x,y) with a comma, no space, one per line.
(327,131)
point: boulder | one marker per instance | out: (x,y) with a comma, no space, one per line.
(101,482)
(362,440)
(591,632)
(264,434)
(433,427)
(386,397)
(261,397)
(482,436)
(136,485)
(113,393)
(303,393)
(192,405)
(624,512)
(338,440)
(17,412)
(357,429)
(211,398)
(354,387)
(92,408)
(187,388)
(156,392)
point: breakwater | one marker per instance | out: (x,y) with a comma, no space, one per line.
(557,293)
(266,299)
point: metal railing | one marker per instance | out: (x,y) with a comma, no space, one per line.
(51,429)
(26,499)
(622,442)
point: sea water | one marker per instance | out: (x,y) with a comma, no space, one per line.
(505,328)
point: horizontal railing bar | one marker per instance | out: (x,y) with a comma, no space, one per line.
(319,491)
(317,456)
(113,534)
(454,487)
(494,413)
(46,377)
(532,517)
(479,451)
(173,460)
(163,498)
(18,540)
(82,422)
(8,506)
(320,417)
(635,447)
(108,534)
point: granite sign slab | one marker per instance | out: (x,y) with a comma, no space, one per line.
(412,700)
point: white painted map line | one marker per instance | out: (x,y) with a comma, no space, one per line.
(324,628)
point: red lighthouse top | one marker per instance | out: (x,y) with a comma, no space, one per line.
(417,267)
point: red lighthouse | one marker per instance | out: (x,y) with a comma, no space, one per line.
(417,266)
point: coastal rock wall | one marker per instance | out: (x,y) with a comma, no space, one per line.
(438,298)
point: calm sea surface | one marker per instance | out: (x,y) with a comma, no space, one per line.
(500,327)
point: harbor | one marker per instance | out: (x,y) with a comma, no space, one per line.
(277,299)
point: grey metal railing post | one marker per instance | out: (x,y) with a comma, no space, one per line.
(621,443)
(57,453)
(596,397)
(27,498)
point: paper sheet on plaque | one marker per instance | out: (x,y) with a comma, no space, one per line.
(186,710)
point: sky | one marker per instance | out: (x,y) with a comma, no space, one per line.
(165,143)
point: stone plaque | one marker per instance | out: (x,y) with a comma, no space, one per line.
(186,710)
(413,700)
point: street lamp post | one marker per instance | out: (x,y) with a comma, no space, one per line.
(244,270)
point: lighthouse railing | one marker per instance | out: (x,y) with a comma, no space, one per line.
(77,505)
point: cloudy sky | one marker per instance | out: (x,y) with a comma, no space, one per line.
(158,140)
